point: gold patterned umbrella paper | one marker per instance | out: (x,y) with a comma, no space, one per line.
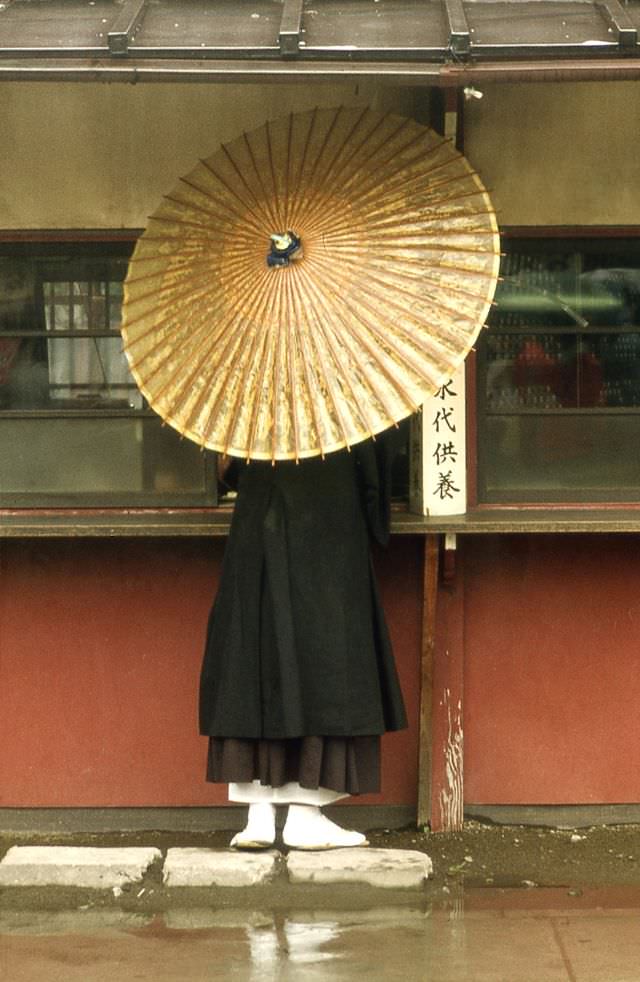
(310,284)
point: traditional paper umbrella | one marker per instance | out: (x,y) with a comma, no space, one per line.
(310,284)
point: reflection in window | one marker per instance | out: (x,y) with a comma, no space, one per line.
(559,368)
(92,369)
(74,429)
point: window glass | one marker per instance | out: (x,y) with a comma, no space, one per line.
(74,427)
(559,374)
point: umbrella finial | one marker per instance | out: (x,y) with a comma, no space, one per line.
(285,246)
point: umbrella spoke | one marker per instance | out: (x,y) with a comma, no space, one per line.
(308,341)
(331,312)
(347,377)
(394,339)
(258,215)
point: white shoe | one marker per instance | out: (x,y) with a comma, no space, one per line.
(307,828)
(260,830)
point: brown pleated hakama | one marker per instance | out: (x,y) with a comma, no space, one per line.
(350,765)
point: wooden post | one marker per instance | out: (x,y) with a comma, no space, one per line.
(429,603)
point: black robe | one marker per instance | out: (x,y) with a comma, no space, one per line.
(297,643)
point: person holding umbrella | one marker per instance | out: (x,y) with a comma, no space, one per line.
(294,297)
(298,680)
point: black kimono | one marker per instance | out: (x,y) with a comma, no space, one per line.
(297,644)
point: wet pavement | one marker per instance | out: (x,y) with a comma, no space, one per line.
(472,936)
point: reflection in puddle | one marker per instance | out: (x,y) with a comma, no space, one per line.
(525,935)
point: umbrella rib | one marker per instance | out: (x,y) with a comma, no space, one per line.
(425,278)
(234,340)
(182,222)
(395,190)
(368,136)
(259,217)
(330,340)
(298,302)
(347,140)
(336,312)
(195,338)
(273,216)
(394,187)
(291,351)
(305,151)
(364,301)
(218,201)
(274,183)
(276,380)
(178,291)
(287,171)
(346,182)
(183,267)
(370,184)
(257,347)
(323,146)
(198,334)
(462,314)
(326,175)
(396,255)
(387,341)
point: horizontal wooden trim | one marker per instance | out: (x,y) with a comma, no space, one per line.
(525,520)
(190,522)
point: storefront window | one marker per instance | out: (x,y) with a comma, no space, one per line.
(559,374)
(74,429)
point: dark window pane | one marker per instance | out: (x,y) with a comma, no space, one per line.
(561,371)
(66,373)
(61,367)
(572,457)
(99,461)
(559,374)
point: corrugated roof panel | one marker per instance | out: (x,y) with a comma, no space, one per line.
(409,32)
(374,25)
(193,24)
(538,22)
(56,24)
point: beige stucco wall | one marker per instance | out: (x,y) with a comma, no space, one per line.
(558,154)
(101,155)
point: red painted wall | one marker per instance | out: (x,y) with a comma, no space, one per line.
(100,648)
(552,669)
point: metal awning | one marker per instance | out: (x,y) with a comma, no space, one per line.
(434,41)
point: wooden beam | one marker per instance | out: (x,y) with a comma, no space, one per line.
(429,605)
(290,33)
(459,33)
(617,18)
(126,24)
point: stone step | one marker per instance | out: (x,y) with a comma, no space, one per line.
(104,868)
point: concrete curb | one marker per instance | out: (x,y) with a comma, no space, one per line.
(393,869)
(75,866)
(104,868)
(218,868)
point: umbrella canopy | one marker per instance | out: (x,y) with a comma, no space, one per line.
(310,284)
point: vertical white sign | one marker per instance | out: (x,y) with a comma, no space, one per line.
(438,480)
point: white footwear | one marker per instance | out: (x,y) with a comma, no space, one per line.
(260,830)
(307,828)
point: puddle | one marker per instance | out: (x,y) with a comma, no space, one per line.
(501,934)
